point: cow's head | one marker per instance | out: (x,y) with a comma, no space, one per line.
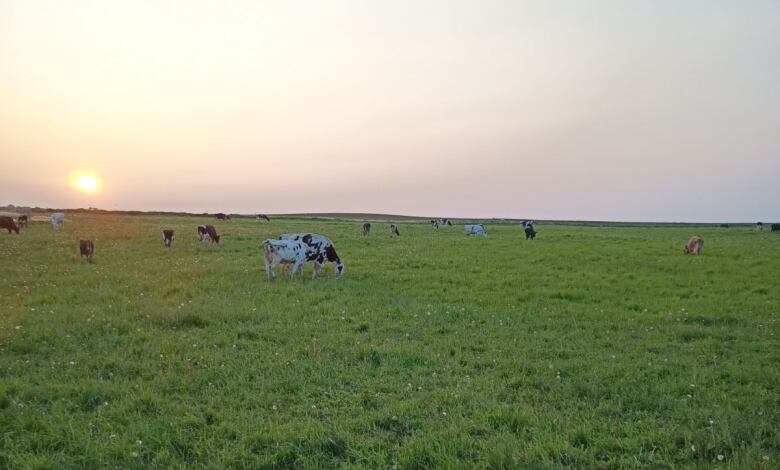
(686,250)
(216,238)
(339,268)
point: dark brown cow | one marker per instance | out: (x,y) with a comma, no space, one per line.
(366,228)
(168,237)
(262,217)
(87,248)
(207,233)
(22,221)
(8,223)
(222,216)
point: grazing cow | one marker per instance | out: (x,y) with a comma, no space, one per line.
(262,217)
(776,227)
(435,224)
(760,226)
(22,221)
(8,223)
(58,220)
(318,250)
(475,229)
(276,252)
(222,216)
(394,231)
(87,248)
(207,233)
(168,237)
(366,228)
(724,225)
(445,222)
(694,245)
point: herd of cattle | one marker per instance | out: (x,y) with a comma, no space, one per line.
(294,250)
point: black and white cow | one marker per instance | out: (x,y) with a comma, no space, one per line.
(168,237)
(276,252)
(435,224)
(760,226)
(394,231)
(319,249)
(776,227)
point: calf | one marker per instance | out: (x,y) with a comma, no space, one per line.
(207,233)
(318,250)
(776,227)
(475,229)
(262,217)
(168,237)
(276,252)
(22,221)
(394,230)
(58,220)
(8,223)
(366,228)
(87,248)
(694,245)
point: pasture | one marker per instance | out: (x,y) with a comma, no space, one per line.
(597,347)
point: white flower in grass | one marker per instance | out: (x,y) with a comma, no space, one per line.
(134,454)
(711,422)
(693,448)
(720,456)
(274,407)
(139,442)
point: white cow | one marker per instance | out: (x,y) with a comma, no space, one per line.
(58,220)
(475,229)
(278,252)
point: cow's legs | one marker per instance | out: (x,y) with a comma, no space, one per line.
(317,269)
(297,267)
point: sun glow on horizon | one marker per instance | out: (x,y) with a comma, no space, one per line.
(85,182)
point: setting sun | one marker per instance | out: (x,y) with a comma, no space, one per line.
(85,182)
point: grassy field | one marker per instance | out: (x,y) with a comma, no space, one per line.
(590,347)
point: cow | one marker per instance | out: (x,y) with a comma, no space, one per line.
(87,248)
(530,232)
(168,237)
(445,222)
(435,224)
(760,226)
(222,216)
(394,231)
(366,228)
(22,221)
(207,233)
(8,223)
(262,217)
(276,252)
(724,225)
(694,245)
(475,229)
(58,220)
(776,227)
(318,250)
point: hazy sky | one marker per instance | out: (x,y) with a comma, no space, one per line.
(619,110)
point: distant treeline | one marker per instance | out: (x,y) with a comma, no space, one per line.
(367,217)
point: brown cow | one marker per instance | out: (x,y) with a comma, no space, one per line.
(8,223)
(366,228)
(22,221)
(222,216)
(87,248)
(207,233)
(694,245)
(168,237)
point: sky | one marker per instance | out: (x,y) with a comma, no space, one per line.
(596,110)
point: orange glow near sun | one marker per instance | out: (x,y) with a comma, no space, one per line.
(86,182)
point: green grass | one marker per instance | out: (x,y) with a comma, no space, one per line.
(594,347)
